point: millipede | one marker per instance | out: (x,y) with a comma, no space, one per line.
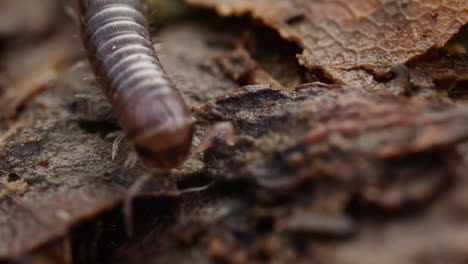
(148,105)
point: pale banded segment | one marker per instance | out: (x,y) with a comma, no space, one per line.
(121,69)
(150,94)
(121,40)
(131,69)
(140,75)
(97,5)
(129,60)
(133,102)
(157,84)
(115,26)
(123,51)
(138,84)
(115,12)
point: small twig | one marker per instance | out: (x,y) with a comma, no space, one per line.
(197,189)
(116,145)
(128,200)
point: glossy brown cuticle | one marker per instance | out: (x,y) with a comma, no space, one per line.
(149,107)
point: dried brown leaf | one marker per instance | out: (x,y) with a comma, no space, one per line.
(355,41)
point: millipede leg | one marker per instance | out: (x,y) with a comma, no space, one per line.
(224,128)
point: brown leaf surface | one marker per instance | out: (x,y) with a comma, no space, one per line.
(355,42)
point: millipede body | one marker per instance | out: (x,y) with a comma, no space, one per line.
(149,107)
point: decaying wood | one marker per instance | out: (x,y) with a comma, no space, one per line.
(240,66)
(319,173)
(327,131)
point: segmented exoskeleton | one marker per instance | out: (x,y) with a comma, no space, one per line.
(149,107)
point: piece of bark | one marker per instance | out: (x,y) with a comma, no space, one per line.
(355,42)
(445,73)
(331,132)
(240,66)
(286,187)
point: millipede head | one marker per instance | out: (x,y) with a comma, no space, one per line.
(161,130)
(163,151)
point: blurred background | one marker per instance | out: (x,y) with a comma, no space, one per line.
(40,46)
